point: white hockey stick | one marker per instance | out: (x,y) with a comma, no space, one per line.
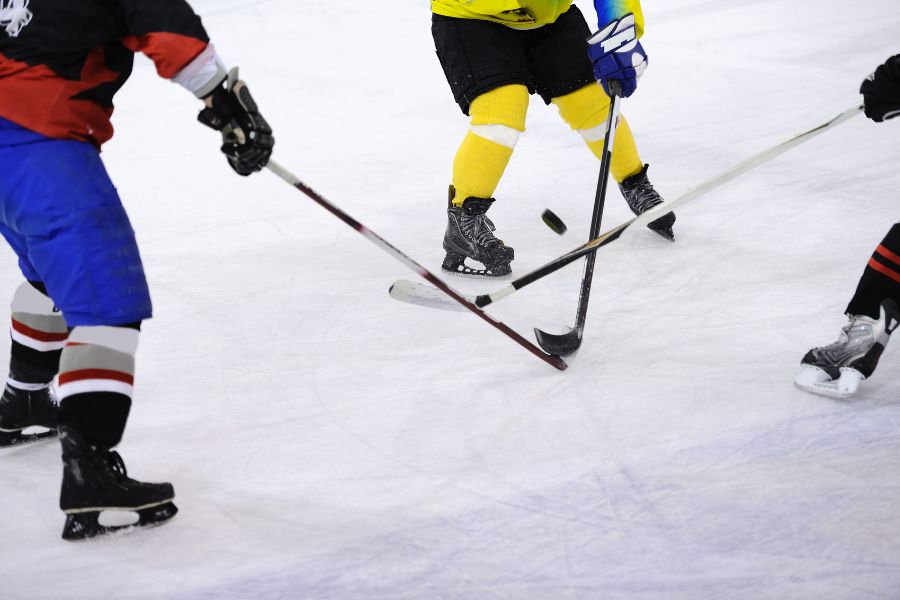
(413,293)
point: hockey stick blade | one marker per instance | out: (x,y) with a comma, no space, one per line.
(562,344)
(422,294)
(295,182)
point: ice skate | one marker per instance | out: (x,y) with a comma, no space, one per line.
(24,407)
(837,369)
(470,234)
(95,480)
(641,197)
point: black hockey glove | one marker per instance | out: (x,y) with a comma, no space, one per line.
(247,139)
(881,91)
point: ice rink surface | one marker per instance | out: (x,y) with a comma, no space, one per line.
(328,442)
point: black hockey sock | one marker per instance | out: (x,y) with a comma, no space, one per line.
(96,376)
(99,417)
(881,278)
(27,365)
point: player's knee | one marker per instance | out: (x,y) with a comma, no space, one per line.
(500,113)
(585,111)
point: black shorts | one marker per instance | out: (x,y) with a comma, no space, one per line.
(478,56)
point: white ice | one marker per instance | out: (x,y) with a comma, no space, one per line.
(328,442)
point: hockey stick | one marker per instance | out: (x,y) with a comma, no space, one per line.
(379,241)
(567,343)
(413,291)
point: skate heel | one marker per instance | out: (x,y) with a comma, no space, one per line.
(663,226)
(848,382)
(86,524)
(454,262)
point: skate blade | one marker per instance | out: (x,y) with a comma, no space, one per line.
(10,439)
(470,273)
(666,233)
(816,381)
(86,524)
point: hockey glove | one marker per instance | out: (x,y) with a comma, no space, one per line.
(617,56)
(247,139)
(881,91)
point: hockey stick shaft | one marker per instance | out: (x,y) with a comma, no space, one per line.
(567,343)
(599,201)
(659,210)
(379,241)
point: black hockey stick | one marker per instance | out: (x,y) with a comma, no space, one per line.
(413,294)
(554,361)
(567,343)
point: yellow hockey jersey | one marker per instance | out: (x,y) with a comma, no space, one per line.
(528,14)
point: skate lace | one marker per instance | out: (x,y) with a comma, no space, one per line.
(117,465)
(855,336)
(479,228)
(642,196)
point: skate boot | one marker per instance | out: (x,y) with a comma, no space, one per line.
(641,197)
(95,480)
(470,234)
(836,370)
(26,405)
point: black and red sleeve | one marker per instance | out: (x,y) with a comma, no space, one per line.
(168,31)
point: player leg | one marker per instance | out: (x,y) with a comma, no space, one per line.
(566,78)
(488,75)
(835,370)
(38,332)
(95,388)
(93,273)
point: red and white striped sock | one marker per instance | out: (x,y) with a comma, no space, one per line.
(39,333)
(96,378)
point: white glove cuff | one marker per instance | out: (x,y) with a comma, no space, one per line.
(203,74)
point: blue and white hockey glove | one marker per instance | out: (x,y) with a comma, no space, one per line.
(617,56)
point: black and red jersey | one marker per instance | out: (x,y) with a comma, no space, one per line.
(61,61)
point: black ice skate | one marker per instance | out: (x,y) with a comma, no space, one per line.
(470,234)
(836,370)
(95,480)
(641,197)
(21,409)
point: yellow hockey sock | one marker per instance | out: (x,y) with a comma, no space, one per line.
(498,116)
(585,110)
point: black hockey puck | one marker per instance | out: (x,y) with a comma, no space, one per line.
(553,222)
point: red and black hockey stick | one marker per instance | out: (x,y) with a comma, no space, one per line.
(293,180)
